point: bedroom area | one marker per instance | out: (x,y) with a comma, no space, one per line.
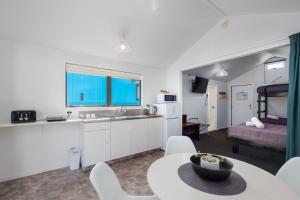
(240,106)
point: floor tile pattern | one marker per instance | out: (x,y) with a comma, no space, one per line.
(65,184)
(74,185)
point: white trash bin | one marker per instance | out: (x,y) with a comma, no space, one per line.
(74,158)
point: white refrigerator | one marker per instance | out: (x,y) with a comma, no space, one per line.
(171,119)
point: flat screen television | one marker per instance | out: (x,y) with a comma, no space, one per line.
(199,85)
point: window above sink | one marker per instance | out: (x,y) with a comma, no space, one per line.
(97,87)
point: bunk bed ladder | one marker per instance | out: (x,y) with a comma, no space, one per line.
(259,102)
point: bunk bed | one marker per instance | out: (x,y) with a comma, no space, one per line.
(273,136)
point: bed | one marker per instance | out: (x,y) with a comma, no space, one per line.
(273,136)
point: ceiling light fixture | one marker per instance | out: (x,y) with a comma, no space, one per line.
(222,73)
(123,45)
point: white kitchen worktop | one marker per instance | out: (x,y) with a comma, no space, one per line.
(41,122)
(76,120)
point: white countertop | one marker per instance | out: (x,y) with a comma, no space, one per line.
(41,122)
(75,120)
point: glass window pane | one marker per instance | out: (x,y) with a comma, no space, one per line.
(275,65)
(125,92)
(86,90)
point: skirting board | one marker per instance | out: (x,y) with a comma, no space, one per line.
(28,173)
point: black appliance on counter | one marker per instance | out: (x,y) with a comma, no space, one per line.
(23,116)
(56,119)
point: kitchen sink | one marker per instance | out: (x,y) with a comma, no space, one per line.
(97,119)
(122,117)
(129,117)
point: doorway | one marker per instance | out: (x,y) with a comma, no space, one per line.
(212,107)
(241,103)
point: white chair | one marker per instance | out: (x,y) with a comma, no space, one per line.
(289,173)
(179,144)
(108,187)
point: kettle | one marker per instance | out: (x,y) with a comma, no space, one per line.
(151,109)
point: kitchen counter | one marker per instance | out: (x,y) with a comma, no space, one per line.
(112,135)
(78,120)
(119,118)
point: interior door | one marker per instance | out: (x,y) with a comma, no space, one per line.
(212,107)
(242,99)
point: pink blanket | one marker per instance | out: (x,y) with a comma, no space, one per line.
(272,135)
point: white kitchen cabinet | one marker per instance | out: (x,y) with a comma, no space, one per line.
(121,132)
(138,142)
(130,137)
(95,143)
(154,129)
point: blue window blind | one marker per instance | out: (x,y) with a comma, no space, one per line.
(125,92)
(86,90)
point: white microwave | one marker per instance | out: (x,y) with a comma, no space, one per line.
(166,98)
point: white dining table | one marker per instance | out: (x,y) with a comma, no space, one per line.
(166,184)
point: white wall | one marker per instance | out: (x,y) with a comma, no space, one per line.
(245,35)
(33,77)
(276,106)
(193,104)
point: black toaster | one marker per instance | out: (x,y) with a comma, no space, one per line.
(23,116)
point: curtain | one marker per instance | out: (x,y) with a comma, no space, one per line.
(293,115)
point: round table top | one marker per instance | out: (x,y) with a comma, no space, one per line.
(166,184)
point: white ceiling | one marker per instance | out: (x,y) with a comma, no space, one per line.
(158,37)
(244,7)
(95,26)
(238,66)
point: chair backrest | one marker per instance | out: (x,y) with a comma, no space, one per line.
(179,144)
(289,173)
(106,183)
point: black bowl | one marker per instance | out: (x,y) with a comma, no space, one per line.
(216,175)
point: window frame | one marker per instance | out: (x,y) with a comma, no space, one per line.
(108,87)
(274,62)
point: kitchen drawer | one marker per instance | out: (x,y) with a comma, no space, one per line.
(96,126)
